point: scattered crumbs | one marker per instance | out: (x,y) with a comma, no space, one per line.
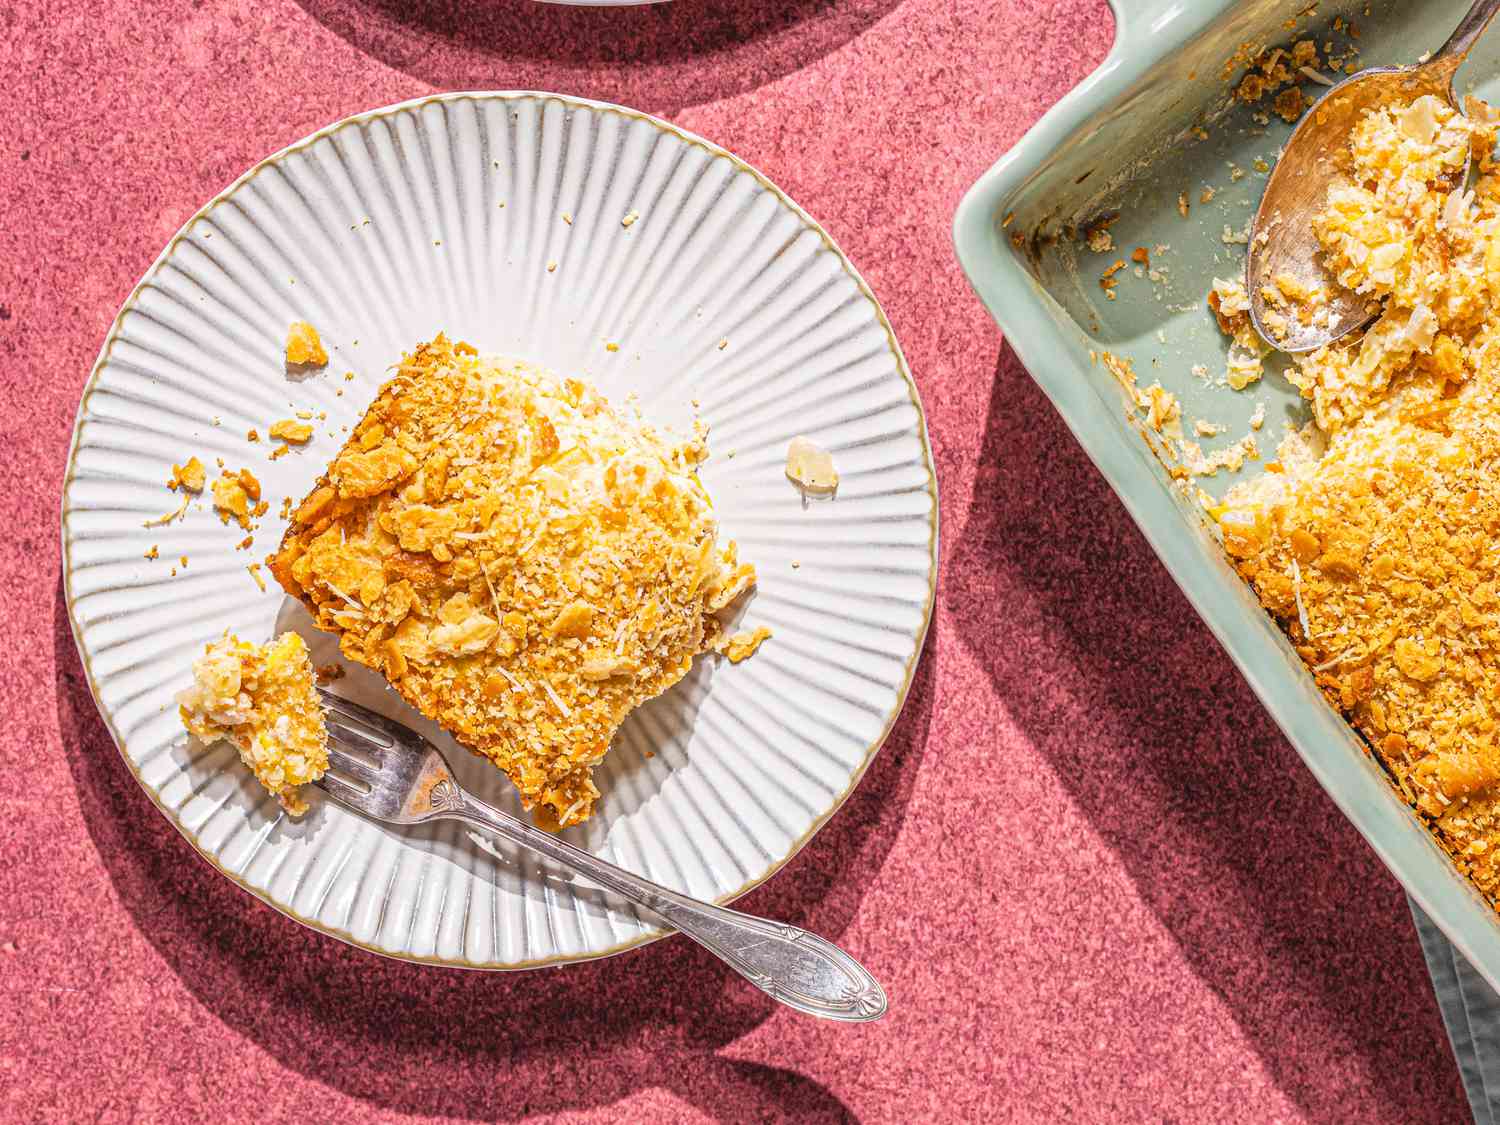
(1206,429)
(189,476)
(437,241)
(1107,278)
(1260,164)
(1231,457)
(327,673)
(742,645)
(235,495)
(1200,371)
(1236,173)
(286,506)
(630,219)
(252,434)
(1206,195)
(551,267)
(1200,132)
(810,467)
(1232,237)
(322,416)
(502,203)
(254,569)
(611,347)
(153,553)
(1163,411)
(303,345)
(724,343)
(214,421)
(730,455)
(292,431)
(796,564)
(279,452)
(246,543)
(182,561)
(349,375)
(162,521)
(304,414)
(172,573)
(1009,218)
(567,217)
(1182,204)
(1258,419)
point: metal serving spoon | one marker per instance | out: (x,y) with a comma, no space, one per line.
(1281,238)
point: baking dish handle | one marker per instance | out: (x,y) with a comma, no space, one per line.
(1139,20)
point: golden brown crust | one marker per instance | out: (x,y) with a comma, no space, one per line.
(1378,557)
(524,564)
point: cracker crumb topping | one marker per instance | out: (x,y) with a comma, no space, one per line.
(525,563)
(1372,539)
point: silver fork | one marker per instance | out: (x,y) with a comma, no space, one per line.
(409,782)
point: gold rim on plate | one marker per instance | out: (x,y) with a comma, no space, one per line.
(394,110)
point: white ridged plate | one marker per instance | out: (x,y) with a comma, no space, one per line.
(383,230)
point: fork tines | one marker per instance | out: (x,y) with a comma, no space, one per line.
(358,727)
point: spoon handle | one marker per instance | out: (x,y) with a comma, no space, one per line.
(1470,28)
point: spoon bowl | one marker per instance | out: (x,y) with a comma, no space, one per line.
(1282,243)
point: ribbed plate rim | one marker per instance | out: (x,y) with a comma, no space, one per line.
(393,110)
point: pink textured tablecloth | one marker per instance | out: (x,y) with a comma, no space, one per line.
(1096,882)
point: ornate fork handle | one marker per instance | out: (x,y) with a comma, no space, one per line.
(791,965)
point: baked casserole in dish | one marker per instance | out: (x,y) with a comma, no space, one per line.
(1351,492)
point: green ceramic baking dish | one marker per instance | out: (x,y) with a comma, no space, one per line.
(1155,129)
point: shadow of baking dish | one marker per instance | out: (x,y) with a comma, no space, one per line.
(647,56)
(440,1042)
(1269,893)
